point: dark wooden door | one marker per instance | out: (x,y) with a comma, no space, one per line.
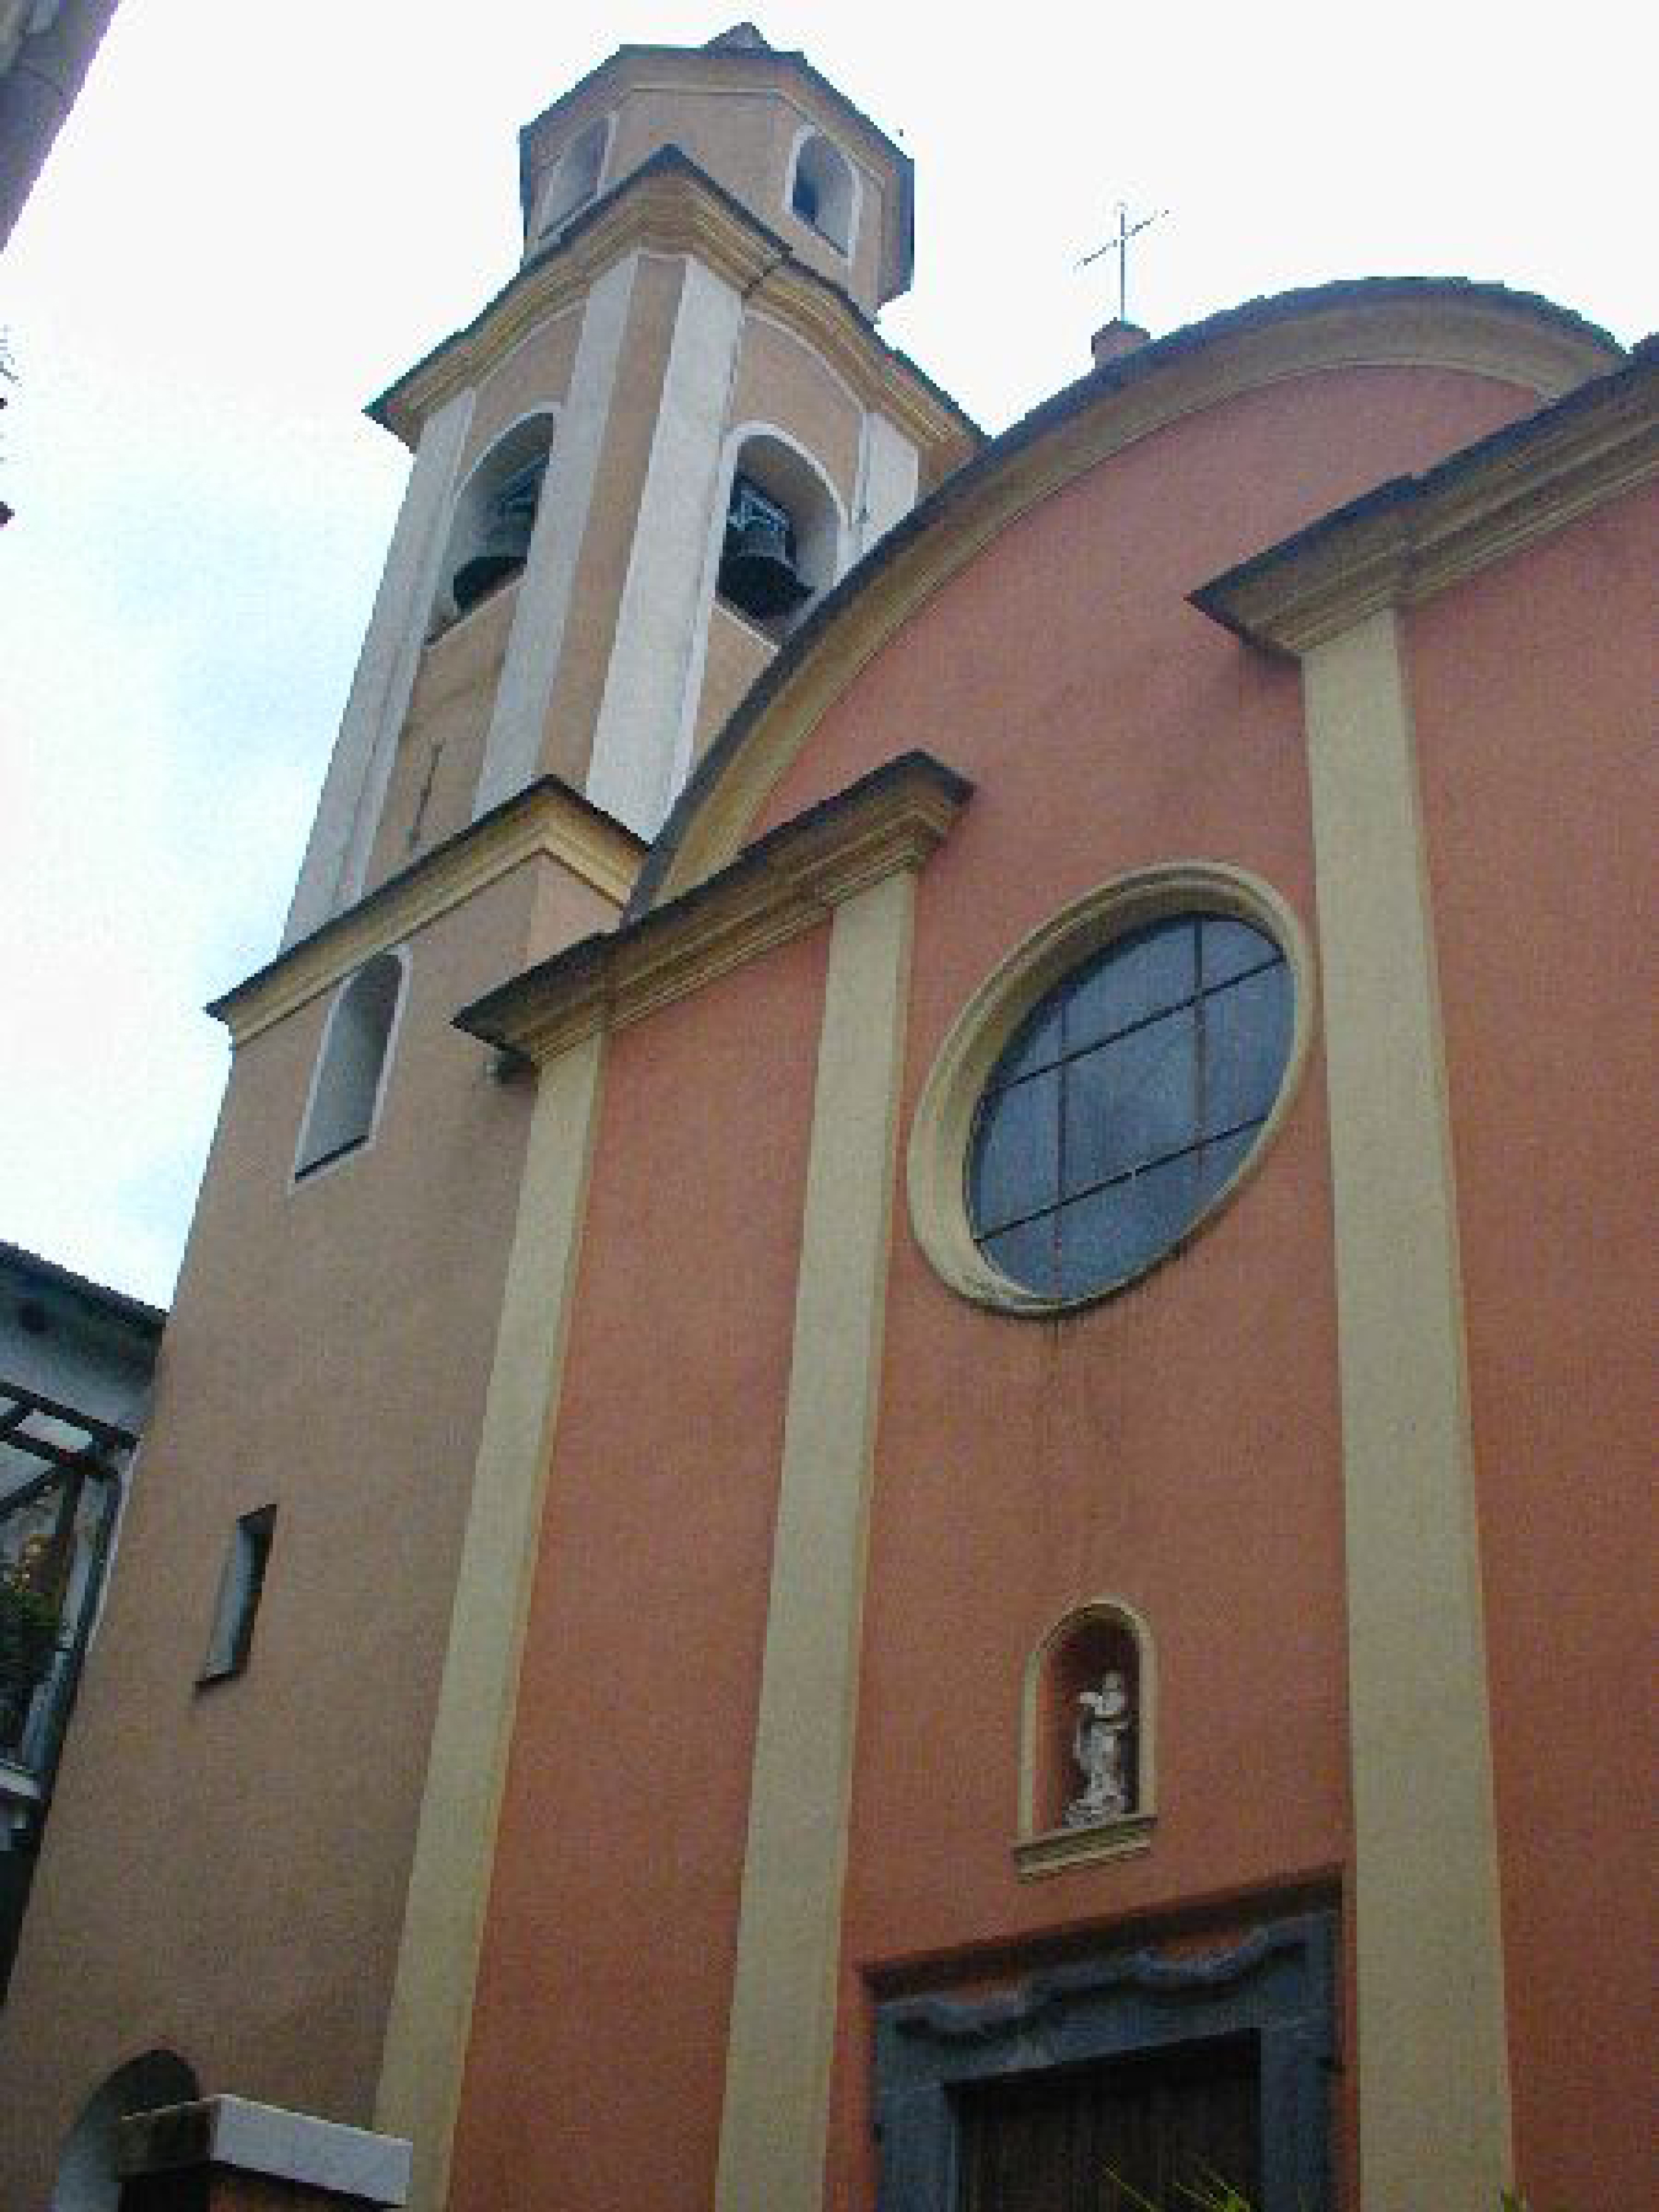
(1087,2138)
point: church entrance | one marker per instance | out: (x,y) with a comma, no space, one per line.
(1168,2129)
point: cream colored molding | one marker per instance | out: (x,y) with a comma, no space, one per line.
(1056,1851)
(1039,1852)
(1432,2055)
(295,2150)
(547,821)
(430,2016)
(1410,541)
(775,2123)
(1508,340)
(942,1127)
(669,208)
(787,885)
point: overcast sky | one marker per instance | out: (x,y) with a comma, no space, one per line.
(261,211)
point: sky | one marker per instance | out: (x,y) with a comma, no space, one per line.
(261,211)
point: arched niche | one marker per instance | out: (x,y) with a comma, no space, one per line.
(822,189)
(574,179)
(777,497)
(351,1064)
(494,514)
(1088,1739)
(87,2179)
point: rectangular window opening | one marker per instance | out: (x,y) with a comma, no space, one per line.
(239,1588)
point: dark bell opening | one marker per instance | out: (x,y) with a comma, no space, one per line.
(475,579)
(505,542)
(758,571)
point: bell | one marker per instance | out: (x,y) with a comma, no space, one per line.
(503,552)
(757,573)
(504,545)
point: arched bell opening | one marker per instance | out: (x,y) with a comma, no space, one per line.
(781,546)
(490,533)
(88,2180)
(572,181)
(351,1065)
(1087,1762)
(822,190)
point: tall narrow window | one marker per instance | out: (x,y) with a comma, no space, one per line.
(351,1069)
(240,1587)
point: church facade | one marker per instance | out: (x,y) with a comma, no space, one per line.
(900,1461)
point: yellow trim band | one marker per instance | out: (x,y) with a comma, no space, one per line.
(775,2126)
(1434,2102)
(430,2017)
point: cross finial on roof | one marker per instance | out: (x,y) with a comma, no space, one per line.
(1120,246)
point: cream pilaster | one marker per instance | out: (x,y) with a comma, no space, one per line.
(349,811)
(512,748)
(431,2011)
(890,469)
(635,762)
(1434,2105)
(776,2120)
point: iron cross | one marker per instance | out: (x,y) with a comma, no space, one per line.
(1120,246)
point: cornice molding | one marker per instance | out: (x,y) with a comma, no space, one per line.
(786,884)
(547,821)
(669,207)
(1414,538)
(1386,322)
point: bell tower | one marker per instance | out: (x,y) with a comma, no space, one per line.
(635,471)
(642,463)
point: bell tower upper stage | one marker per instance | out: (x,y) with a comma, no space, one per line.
(640,467)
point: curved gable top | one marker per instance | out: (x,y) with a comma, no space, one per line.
(1483,330)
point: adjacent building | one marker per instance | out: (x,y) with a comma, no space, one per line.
(901,1456)
(75,1364)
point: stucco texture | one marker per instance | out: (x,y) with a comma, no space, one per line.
(262,1827)
(1536,763)
(604,1981)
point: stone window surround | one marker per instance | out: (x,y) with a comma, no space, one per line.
(942,1131)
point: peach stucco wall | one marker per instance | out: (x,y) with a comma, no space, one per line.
(780,379)
(226,1866)
(1537,767)
(600,2025)
(1178,1446)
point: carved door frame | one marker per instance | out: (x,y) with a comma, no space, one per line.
(1277,1985)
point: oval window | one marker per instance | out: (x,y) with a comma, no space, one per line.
(1126,1101)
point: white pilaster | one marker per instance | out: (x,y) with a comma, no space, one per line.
(349,811)
(636,743)
(889,470)
(513,747)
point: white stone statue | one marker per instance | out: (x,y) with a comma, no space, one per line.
(1100,1747)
